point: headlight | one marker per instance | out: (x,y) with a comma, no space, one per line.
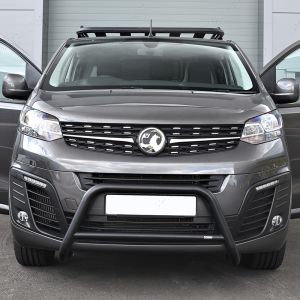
(263,128)
(40,125)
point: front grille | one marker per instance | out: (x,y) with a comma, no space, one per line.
(121,139)
(162,225)
(42,209)
(257,214)
(211,182)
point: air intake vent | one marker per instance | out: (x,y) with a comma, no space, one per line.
(211,182)
(42,209)
(257,214)
(144,225)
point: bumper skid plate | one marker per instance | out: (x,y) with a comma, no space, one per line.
(206,195)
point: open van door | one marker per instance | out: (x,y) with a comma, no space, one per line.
(11,61)
(287,65)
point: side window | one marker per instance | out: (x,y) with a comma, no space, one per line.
(289,67)
(10,62)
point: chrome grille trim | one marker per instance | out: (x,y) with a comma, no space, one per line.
(173,141)
(102,138)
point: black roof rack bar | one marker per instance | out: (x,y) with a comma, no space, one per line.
(216,33)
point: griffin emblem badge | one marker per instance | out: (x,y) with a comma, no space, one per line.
(151,140)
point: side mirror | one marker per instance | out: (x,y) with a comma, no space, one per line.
(15,87)
(286,91)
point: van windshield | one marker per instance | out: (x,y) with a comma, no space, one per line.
(149,64)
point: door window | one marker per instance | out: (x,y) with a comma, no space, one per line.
(289,67)
(10,62)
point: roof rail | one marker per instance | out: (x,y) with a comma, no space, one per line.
(200,33)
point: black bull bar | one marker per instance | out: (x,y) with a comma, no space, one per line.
(72,232)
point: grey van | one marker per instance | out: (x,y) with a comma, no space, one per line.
(156,138)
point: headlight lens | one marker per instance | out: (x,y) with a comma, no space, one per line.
(39,125)
(263,128)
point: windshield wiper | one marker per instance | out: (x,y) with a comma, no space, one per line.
(232,91)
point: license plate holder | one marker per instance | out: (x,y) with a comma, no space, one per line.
(150,205)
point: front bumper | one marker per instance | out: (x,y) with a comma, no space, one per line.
(229,208)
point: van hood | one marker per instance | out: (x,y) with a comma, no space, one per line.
(152,107)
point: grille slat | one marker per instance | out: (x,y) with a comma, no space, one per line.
(19,193)
(257,220)
(253,230)
(43,225)
(18,199)
(146,229)
(260,199)
(283,195)
(211,182)
(282,203)
(45,217)
(258,207)
(36,194)
(256,214)
(83,136)
(151,220)
(146,179)
(45,212)
(38,203)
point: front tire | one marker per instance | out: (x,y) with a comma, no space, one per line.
(264,260)
(31,257)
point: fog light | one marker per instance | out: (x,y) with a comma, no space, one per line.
(277,221)
(23,218)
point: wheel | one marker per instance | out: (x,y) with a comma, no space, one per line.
(33,257)
(264,260)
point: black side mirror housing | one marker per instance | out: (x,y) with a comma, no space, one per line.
(286,91)
(15,87)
